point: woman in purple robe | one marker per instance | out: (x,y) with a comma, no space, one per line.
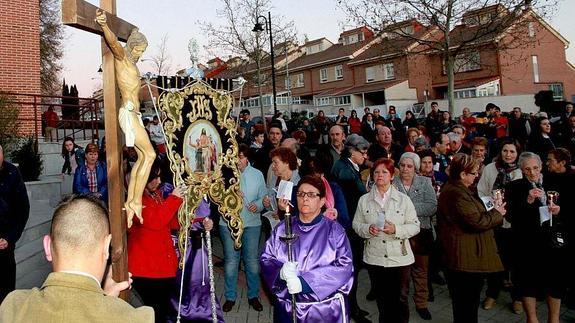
(321,273)
(196,304)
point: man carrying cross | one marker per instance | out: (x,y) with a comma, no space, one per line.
(128,78)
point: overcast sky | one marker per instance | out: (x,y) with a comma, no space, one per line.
(178,19)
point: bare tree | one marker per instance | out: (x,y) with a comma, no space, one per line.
(501,23)
(235,36)
(161,60)
(51,49)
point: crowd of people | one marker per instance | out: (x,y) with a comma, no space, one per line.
(459,201)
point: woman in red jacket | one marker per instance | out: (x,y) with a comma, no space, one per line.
(152,258)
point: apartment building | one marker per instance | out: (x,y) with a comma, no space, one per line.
(364,69)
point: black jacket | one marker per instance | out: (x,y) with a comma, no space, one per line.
(14,204)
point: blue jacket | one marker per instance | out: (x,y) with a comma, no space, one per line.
(81,180)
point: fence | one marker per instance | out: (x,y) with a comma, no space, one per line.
(79,118)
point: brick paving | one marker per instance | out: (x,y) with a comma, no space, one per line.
(242,313)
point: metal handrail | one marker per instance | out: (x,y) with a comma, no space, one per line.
(85,117)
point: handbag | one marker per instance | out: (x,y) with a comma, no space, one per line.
(556,235)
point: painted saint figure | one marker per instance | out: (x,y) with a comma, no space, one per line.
(130,118)
(205,148)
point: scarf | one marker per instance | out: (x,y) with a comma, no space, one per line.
(329,200)
(504,171)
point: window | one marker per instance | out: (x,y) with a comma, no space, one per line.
(467,62)
(535,69)
(299,80)
(466,93)
(388,72)
(323,75)
(379,72)
(531,28)
(339,72)
(557,89)
(342,100)
(323,101)
(370,74)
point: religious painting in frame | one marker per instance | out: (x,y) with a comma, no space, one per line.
(203,151)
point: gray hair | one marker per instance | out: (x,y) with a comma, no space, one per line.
(421,142)
(355,142)
(453,137)
(412,156)
(526,156)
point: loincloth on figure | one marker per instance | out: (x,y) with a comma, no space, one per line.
(127,124)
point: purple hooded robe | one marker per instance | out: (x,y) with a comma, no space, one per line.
(196,302)
(325,268)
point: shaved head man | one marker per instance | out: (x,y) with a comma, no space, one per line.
(78,247)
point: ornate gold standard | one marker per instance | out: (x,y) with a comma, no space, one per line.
(203,152)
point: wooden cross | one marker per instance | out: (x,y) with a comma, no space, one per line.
(81,14)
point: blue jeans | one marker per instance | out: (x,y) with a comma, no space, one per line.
(250,254)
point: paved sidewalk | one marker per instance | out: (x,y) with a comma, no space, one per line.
(242,313)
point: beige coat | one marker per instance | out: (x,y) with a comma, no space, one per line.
(70,298)
(384,249)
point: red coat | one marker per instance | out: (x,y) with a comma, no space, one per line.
(151,252)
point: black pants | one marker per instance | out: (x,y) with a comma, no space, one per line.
(392,288)
(504,240)
(155,292)
(7,272)
(465,290)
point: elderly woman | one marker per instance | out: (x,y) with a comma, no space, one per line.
(539,264)
(345,173)
(320,274)
(422,194)
(387,219)
(497,175)
(466,233)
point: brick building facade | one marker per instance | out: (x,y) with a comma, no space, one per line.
(367,69)
(20,53)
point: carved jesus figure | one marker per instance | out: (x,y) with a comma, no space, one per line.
(130,118)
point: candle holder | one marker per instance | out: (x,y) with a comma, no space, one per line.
(552,198)
(497,195)
(288,238)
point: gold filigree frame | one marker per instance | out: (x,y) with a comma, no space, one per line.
(198,103)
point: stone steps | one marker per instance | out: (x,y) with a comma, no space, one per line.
(52,155)
(29,251)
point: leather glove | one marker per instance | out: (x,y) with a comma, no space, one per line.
(289,269)
(294,285)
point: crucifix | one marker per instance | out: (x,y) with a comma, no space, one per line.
(83,15)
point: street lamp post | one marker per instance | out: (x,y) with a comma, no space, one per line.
(268,28)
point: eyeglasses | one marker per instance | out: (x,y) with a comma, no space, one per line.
(310,195)
(364,152)
(475,174)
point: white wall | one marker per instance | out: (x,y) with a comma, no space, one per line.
(526,102)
